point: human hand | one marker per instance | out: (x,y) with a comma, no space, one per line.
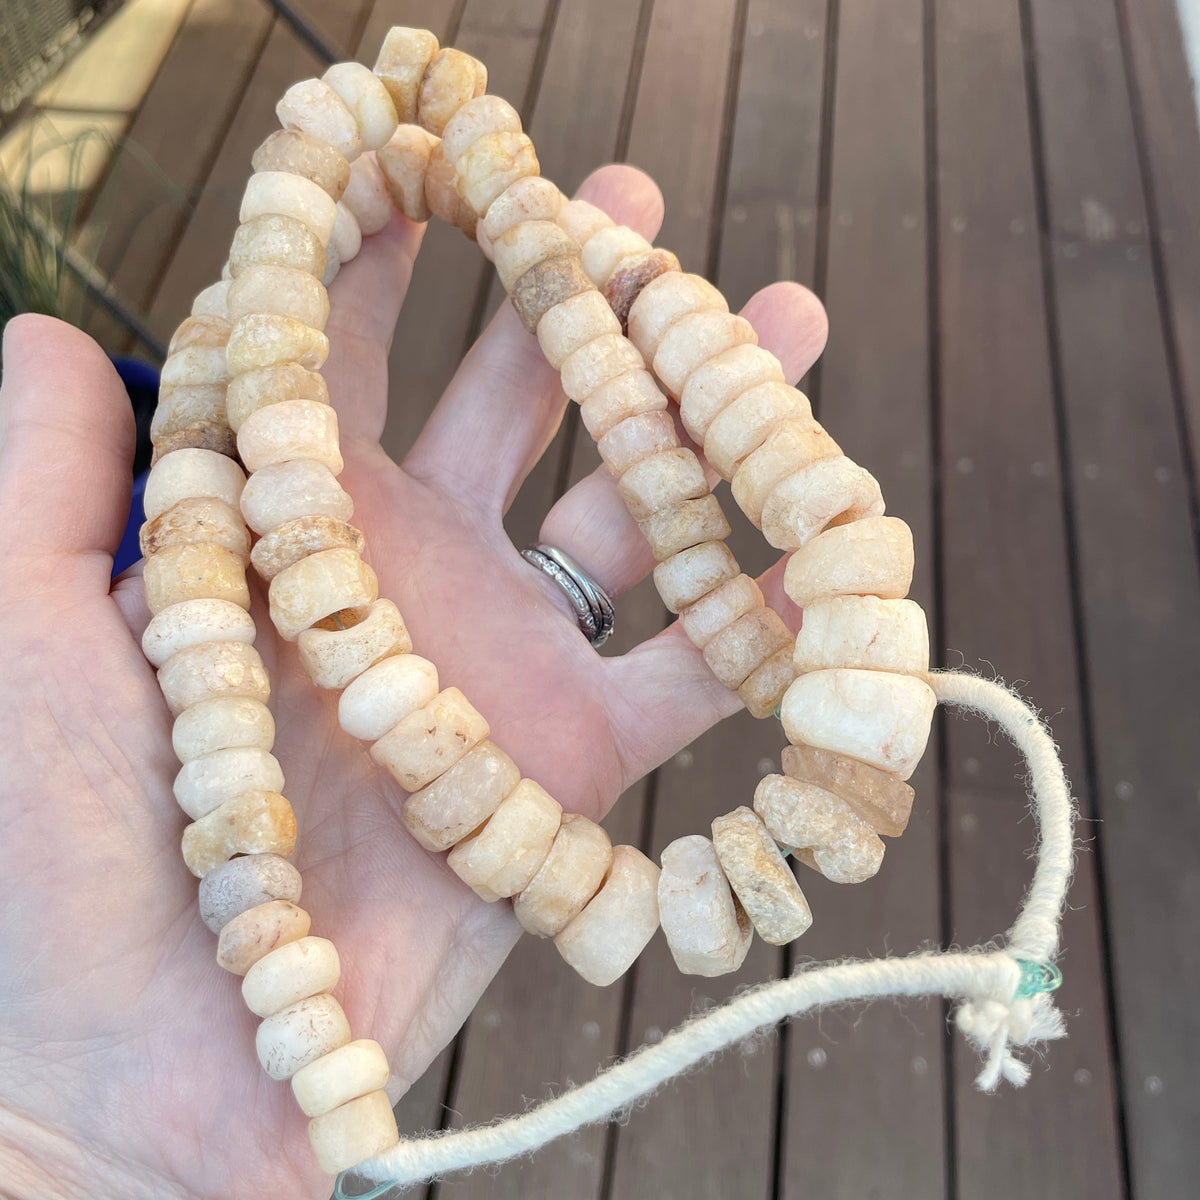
(126,1055)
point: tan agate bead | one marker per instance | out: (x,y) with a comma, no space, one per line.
(252,823)
(332,656)
(401,64)
(404,161)
(289,430)
(288,543)
(195,365)
(671,530)
(257,932)
(525,245)
(300,1034)
(746,644)
(185,474)
(507,852)
(637,438)
(663,301)
(630,395)
(366,97)
(210,670)
(569,877)
(873,556)
(199,331)
(291,490)
(385,694)
(722,606)
(762,690)
(243,883)
(271,385)
(833,491)
(760,877)
(693,339)
(792,445)
(181,405)
(221,725)
(875,716)
(685,577)
(207,782)
(863,632)
(598,362)
(211,301)
(607,248)
(193,622)
(300,153)
(317,586)
(573,324)
(289,970)
(278,239)
(352,1132)
(202,436)
(450,80)
(282,291)
(429,741)
(546,285)
(664,480)
(530,198)
(882,799)
(196,519)
(490,165)
(479,116)
(605,939)
(441,194)
(278,194)
(192,572)
(707,930)
(459,801)
(631,275)
(582,220)
(342,1075)
(744,424)
(265,340)
(367,197)
(312,106)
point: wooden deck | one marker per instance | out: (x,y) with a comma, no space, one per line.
(999,201)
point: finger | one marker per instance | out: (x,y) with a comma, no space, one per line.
(66,447)
(505,402)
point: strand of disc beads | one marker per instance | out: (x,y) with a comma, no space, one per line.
(241,382)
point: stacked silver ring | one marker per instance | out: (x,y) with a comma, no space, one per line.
(594,611)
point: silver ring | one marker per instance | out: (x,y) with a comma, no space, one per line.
(594,612)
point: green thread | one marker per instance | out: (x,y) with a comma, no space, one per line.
(339,1193)
(1037,978)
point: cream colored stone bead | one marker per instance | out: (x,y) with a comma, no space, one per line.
(220,725)
(685,577)
(243,883)
(441,194)
(707,930)
(573,324)
(289,971)
(284,291)
(184,404)
(356,1130)
(744,424)
(545,285)
(368,197)
(344,243)
(450,80)
(252,823)
(300,1034)
(631,275)
(693,339)
(428,742)
(318,586)
(793,444)
(663,301)
(290,490)
(459,801)
(210,670)
(507,852)
(880,718)
(604,940)
(211,301)
(264,340)
(873,556)
(312,106)
(661,481)
(598,362)
(212,332)
(637,438)
(864,632)
(333,657)
(762,690)
(722,606)
(195,365)
(478,116)
(831,491)
(289,543)
(279,240)
(745,645)
(364,94)
(299,153)
(490,165)
(525,245)
(404,162)
(278,194)
(196,519)
(270,385)
(192,572)
(571,875)
(607,248)
(289,430)
(760,877)
(629,395)
(342,1075)
(530,198)
(401,65)
(385,694)
(206,782)
(257,932)
(881,798)
(188,473)
(192,623)
(671,530)
(582,220)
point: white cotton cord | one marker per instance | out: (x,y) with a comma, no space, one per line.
(1004,991)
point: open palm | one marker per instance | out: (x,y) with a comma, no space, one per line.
(126,1056)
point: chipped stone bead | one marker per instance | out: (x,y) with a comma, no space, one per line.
(401,65)
(762,690)
(569,877)
(196,519)
(284,291)
(192,623)
(635,439)
(882,799)
(545,286)
(270,385)
(289,430)
(760,877)
(352,1132)
(573,324)
(183,404)
(264,339)
(210,302)
(404,162)
(298,153)
(478,116)
(317,586)
(300,1034)
(450,80)
(459,801)
(364,94)
(693,339)
(312,106)
(628,395)
(598,362)
(385,694)
(663,480)
(196,571)
(219,438)
(864,632)
(278,194)
(280,240)
(290,490)
(243,883)
(707,930)
(607,248)
(221,725)
(195,365)
(605,939)
(441,194)
(746,644)
(288,543)
(530,198)
(704,619)
(525,245)
(257,932)
(671,530)
(506,853)
(368,197)
(490,165)
(843,847)
(208,781)
(332,657)
(630,275)
(880,718)
(793,444)
(344,243)
(342,1075)
(582,220)
(251,823)
(830,491)
(200,331)
(189,473)
(663,301)
(873,556)
(290,970)
(429,741)
(210,670)
(685,577)
(744,424)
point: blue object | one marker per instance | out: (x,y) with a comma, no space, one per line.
(141,382)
